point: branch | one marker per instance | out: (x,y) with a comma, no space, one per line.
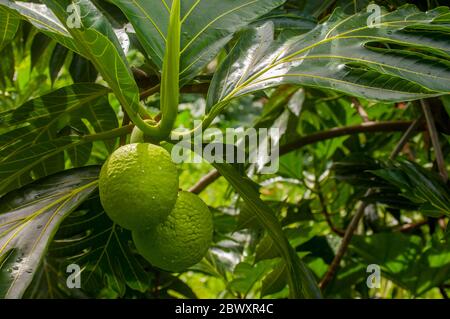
(325,212)
(149,91)
(323,205)
(360,213)
(408,134)
(360,109)
(434,139)
(369,127)
(344,243)
(408,227)
(205,181)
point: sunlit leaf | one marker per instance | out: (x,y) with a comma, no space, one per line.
(10,24)
(206,27)
(402,58)
(30,217)
(34,136)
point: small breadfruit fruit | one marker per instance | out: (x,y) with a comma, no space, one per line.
(137,136)
(138,186)
(182,240)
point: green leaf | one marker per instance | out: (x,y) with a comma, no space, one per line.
(10,24)
(206,27)
(57,61)
(266,249)
(40,17)
(102,249)
(423,188)
(39,46)
(301,282)
(246,276)
(34,136)
(246,218)
(7,67)
(294,21)
(274,281)
(29,218)
(405,261)
(405,57)
(82,70)
(97,41)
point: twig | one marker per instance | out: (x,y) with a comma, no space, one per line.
(336,230)
(401,144)
(359,214)
(443,292)
(149,91)
(408,227)
(360,109)
(434,139)
(205,181)
(323,204)
(344,243)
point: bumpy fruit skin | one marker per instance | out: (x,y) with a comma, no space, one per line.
(182,240)
(138,186)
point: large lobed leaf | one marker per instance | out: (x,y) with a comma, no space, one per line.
(97,41)
(101,248)
(206,27)
(30,217)
(405,57)
(10,24)
(34,137)
(40,17)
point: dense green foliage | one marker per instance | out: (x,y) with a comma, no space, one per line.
(363,112)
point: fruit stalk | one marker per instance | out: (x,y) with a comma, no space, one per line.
(169,81)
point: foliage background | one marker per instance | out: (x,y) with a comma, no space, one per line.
(314,195)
